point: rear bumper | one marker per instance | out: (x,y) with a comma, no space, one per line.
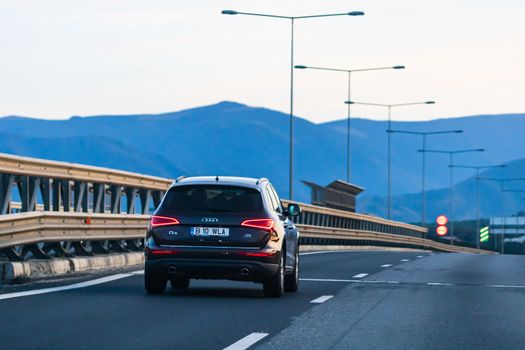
(241,270)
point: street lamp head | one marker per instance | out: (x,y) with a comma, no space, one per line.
(300,67)
(430,102)
(356,13)
(229,12)
(349,102)
(398,67)
(458,131)
(480,150)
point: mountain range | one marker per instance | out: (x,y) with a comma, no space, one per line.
(230,138)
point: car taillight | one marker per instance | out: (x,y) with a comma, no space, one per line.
(262,224)
(157,221)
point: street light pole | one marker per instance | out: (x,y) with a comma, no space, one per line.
(478,195)
(349,106)
(505,219)
(290,180)
(451,182)
(292,22)
(389,143)
(502,189)
(424,135)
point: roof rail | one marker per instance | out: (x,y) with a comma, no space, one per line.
(262,179)
(177,180)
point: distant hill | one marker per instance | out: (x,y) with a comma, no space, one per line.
(493,202)
(230,138)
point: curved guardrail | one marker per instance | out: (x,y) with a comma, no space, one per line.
(61,186)
(44,235)
(71,209)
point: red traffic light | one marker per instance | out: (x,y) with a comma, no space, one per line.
(441,230)
(442,220)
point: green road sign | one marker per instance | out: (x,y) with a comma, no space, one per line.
(484,234)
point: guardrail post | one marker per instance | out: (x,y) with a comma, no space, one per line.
(34,186)
(131,194)
(99,198)
(145,198)
(45,189)
(65,192)
(23,189)
(116,193)
(80,193)
(157,197)
(56,194)
(6,188)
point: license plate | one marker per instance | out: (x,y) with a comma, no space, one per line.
(210,231)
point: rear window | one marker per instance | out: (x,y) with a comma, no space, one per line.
(215,198)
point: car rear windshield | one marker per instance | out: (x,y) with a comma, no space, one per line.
(216,198)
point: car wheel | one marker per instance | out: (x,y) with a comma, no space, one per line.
(180,283)
(274,286)
(154,283)
(291,281)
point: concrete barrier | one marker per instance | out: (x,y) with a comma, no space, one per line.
(11,271)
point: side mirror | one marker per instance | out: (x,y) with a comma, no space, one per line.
(293,209)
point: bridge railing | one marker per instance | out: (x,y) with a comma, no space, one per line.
(69,209)
(60,186)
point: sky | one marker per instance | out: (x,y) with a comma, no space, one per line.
(60,58)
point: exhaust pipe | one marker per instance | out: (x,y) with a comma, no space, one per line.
(172,270)
(245,271)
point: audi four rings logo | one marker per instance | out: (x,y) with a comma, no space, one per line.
(210,220)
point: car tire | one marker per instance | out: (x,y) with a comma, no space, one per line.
(274,286)
(291,281)
(154,283)
(180,283)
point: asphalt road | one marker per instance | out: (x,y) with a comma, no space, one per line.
(363,300)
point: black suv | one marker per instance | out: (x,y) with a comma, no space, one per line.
(222,228)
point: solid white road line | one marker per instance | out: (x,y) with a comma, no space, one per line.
(386,265)
(322,299)
(247,341)
(68,287)
(360,275)
(405,260)
(345,281)
(138,272)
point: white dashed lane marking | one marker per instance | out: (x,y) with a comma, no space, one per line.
(360,275)
(439,284)
(420,256)
(247,341)
(322,299)
(405,260)
(386,265)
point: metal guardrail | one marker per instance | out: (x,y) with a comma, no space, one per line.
(74,217)
(43,235)
(61,186)
(326,217)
